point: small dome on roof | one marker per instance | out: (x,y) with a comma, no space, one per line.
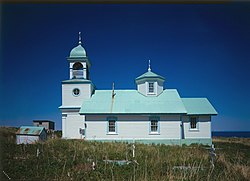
(78,51)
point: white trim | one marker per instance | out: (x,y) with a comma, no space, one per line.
(154,133)
(112,133)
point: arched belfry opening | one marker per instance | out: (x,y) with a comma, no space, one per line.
(77,66)
(77,70)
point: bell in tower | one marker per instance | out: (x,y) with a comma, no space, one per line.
(77,70)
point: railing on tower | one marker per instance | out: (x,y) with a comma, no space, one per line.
(77,73)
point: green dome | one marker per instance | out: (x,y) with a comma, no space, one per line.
(78,51)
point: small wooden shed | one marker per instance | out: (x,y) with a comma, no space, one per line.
(30,134)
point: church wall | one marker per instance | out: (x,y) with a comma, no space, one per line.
(68,99)
(203,127)
(131,127)
(72,122)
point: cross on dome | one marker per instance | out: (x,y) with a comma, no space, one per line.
(78,51)
(80,38)
(149,69)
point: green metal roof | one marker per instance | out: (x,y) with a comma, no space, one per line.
(30,130)
(149,74)
(78,51)
(132,102)
(198,106)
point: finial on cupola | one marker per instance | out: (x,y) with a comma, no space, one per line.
(149,69)
(80,38)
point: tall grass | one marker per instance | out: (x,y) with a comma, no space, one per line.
(72,160)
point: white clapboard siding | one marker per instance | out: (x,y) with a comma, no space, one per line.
(203,127)
(68,99)
(72,124)
(132,127)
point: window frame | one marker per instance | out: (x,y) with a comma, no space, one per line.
(196,125)
(148,88)
(157,120)
(113,119)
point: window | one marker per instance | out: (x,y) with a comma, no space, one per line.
(193,123)
(151,87)
(154,126)
(112,125)
(76,92)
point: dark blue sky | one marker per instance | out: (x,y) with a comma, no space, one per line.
(201,50)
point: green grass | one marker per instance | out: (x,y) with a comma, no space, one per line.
(71,160)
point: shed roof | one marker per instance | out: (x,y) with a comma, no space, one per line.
(198,106)
(30,130)
(133,102)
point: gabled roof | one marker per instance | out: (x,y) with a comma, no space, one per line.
(198,106)
(132,102)
(150,74)
(30,130)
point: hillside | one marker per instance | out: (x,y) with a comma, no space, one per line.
(72,160)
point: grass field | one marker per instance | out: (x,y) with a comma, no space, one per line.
(72,160)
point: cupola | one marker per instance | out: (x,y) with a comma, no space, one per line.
(149,83)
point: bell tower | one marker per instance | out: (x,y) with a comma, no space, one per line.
(75,91)
(79,62)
